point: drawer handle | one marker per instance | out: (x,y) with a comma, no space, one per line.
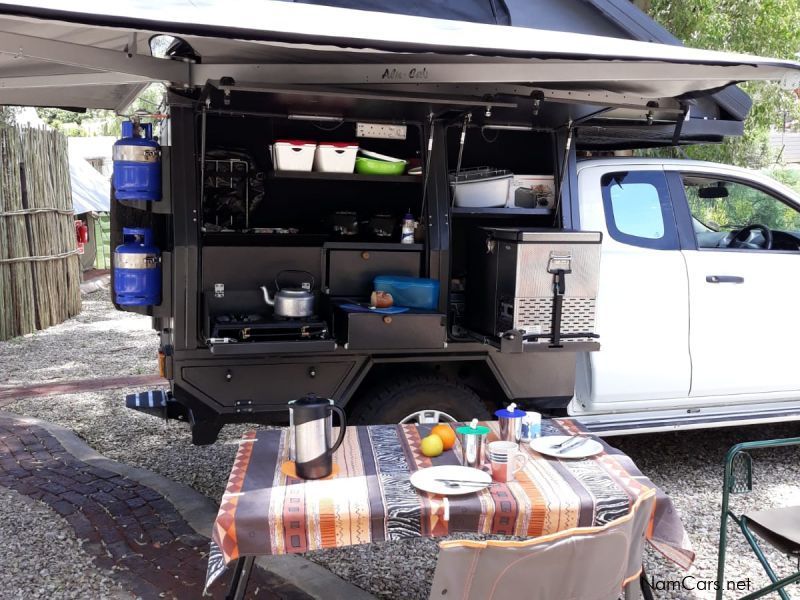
(387,319)
(365,255)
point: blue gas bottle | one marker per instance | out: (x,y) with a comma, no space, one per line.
(137,268)
(137,164)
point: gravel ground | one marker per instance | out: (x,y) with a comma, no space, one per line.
(99,342)
(40,557)
(687,465)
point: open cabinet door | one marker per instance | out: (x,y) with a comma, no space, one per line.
(98,55)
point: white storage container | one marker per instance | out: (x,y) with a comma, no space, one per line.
(532,191)
(293,155)
(335,157)
(481,188)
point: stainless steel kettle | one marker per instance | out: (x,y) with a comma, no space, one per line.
(291,302)
(313,452)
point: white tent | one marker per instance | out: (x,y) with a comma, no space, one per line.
(90,190)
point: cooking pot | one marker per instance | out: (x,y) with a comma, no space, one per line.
(382,226)
(291,302)
(345,223)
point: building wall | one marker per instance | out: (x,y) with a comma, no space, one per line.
(786,146)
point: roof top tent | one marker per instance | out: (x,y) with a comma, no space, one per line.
(448,94)
(709,118)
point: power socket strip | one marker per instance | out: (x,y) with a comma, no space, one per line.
(377,130)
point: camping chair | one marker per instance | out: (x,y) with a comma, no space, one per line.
(590,563)
(779,527)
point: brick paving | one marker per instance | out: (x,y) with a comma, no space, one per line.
(128,528)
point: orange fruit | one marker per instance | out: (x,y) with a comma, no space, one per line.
(431,446)
(446,433)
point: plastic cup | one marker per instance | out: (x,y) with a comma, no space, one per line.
(531,426)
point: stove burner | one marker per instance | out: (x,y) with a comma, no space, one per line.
(257,327)
(240,318)
(309,319)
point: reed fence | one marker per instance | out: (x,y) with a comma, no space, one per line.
(39,266)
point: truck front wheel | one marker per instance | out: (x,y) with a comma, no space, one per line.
(389,402)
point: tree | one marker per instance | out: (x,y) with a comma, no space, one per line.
(764,27)
(96,121)
(6,115)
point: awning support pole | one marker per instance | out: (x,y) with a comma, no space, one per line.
(563,170)
(676,135)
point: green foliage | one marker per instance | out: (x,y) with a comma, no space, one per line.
(101,122)
(743,206)
(764,27)
(7,115)
(788,177)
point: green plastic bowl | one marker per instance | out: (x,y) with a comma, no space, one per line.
(370,166)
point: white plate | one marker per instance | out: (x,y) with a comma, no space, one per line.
(425,480)
(544,445)
(376,156)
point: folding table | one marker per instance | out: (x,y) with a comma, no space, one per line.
(267,510)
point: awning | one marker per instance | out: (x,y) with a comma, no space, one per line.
(99,56)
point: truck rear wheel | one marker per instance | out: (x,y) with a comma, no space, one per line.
(391,401)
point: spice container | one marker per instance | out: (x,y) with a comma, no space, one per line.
(409,225)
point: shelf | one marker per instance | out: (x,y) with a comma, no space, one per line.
(236,238)
(500,212)
(372,246)
(316,175)
(277,347)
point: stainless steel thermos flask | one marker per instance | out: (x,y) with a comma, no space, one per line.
(313,451)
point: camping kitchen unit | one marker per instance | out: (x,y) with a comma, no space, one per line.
(309,158)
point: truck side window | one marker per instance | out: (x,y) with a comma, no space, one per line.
(735,215)
(639,210)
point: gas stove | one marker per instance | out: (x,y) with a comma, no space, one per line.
(262,328)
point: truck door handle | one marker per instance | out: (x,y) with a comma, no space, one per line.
(724,279)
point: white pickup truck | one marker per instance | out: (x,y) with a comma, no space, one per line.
(697,304)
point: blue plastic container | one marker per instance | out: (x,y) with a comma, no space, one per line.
(137,164)
(137,269)
(412,292)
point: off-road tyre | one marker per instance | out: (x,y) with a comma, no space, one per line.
(393,400)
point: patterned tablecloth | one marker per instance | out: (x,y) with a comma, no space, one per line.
(370,498)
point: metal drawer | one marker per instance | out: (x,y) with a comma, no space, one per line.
(350,272)
(267,384)
(405,331)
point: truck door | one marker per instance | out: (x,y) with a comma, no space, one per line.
(744,282)
(643,315)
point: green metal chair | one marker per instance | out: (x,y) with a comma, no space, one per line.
(778,527)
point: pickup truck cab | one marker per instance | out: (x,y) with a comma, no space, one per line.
(697,302)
